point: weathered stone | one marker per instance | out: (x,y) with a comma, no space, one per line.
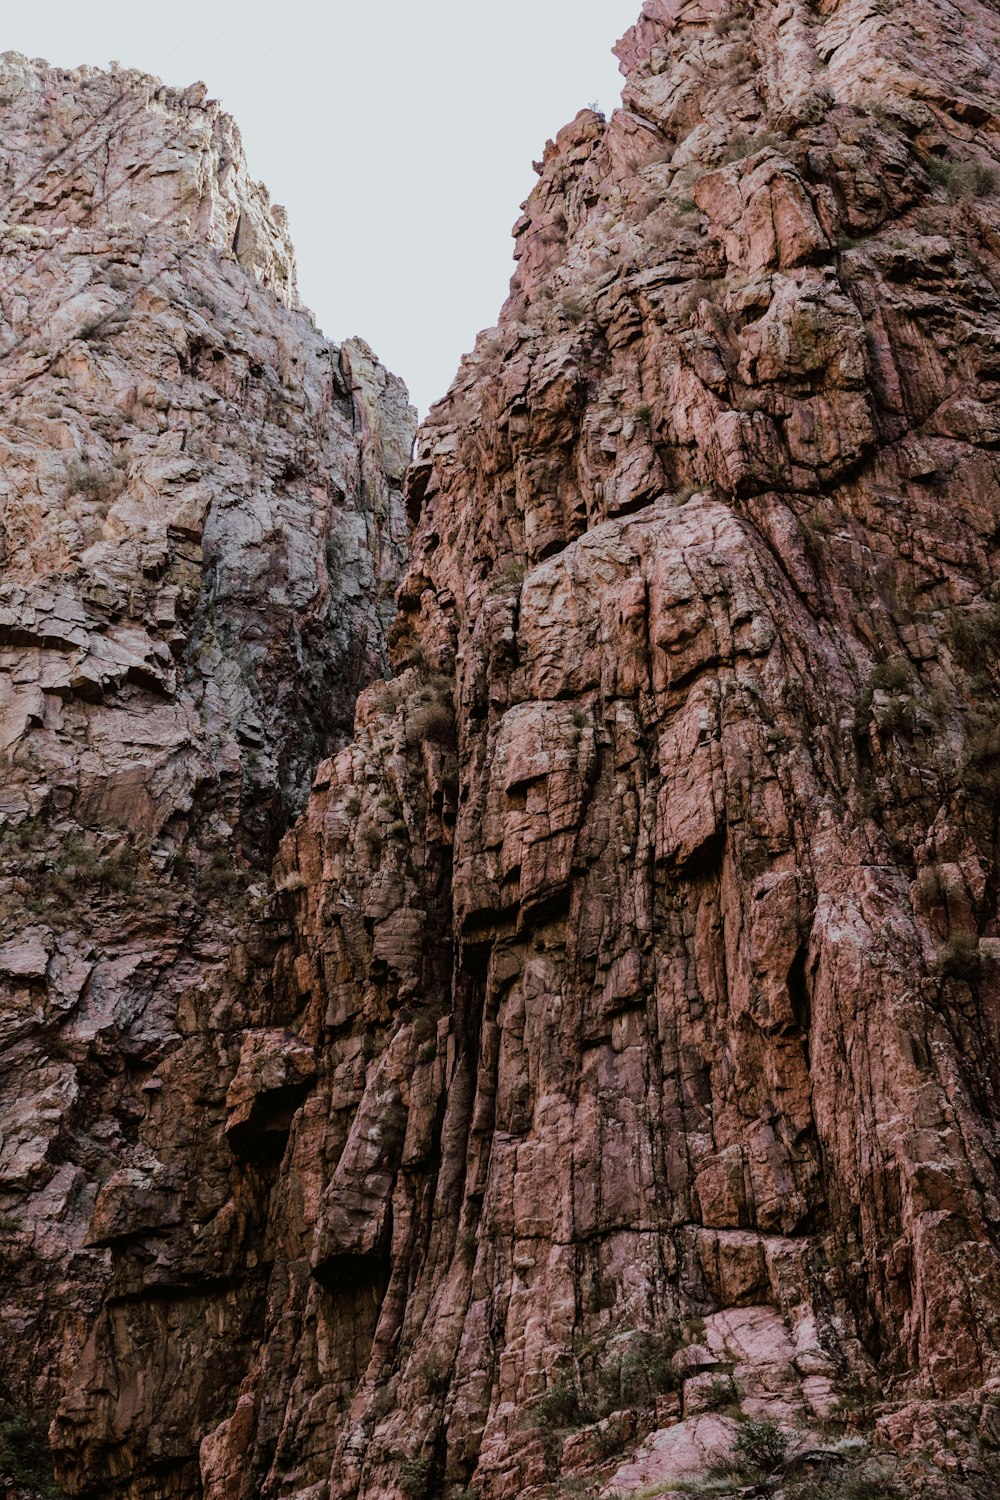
(616,1054)
(201,527)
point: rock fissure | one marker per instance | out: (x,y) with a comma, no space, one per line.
(609,1057)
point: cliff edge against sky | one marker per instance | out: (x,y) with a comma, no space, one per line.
(606,1078)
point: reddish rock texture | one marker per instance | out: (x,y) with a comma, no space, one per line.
(620,1054)
(661,986)
(201,531)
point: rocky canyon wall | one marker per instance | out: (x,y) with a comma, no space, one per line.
(613,1057)
(201,531)
(644,939)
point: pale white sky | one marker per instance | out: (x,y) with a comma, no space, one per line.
(399,134)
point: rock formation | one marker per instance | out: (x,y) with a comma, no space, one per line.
(201,531)
(615,1056)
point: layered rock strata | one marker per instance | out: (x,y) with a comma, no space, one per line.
(201,531)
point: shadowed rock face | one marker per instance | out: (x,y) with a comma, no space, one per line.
(201,531)
(618,1051)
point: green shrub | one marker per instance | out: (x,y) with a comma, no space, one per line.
(760,1445)
(723,1394)
(975,635)
(560,1406)
(979,773)
(24,1453)
(897,715)
(683,208)
(892,676)
(416,1478)
(222,879)
(76,862)
(962,179)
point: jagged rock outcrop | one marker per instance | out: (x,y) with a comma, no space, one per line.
(201,531)
(650,1003)
(619,1055)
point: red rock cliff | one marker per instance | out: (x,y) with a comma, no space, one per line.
(201,530)
(619,1059)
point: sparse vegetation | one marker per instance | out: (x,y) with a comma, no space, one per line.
(979,772)
(372,841)
(574,309)
(560,1406)
(507,576)
(83,477)
(962,179)
(723,1395)
(892,676)
(25,1460)
(636,1369)
(975,636)
(222,879)
(877,1486)
(431,723)
(740,146)
(59,869)
(896,716)
(416,1478)
(760,1446)
(731,20)
(857,1400)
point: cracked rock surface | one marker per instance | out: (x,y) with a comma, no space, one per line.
(201,530)
(645,936)
(614,1064)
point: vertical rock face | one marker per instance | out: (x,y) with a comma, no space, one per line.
(201,531)
(634,1053)
(618,1052)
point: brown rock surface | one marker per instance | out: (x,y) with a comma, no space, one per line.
(201,530)
(619,1055)
(665,990)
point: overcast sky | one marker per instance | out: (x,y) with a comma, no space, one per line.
(399,135)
